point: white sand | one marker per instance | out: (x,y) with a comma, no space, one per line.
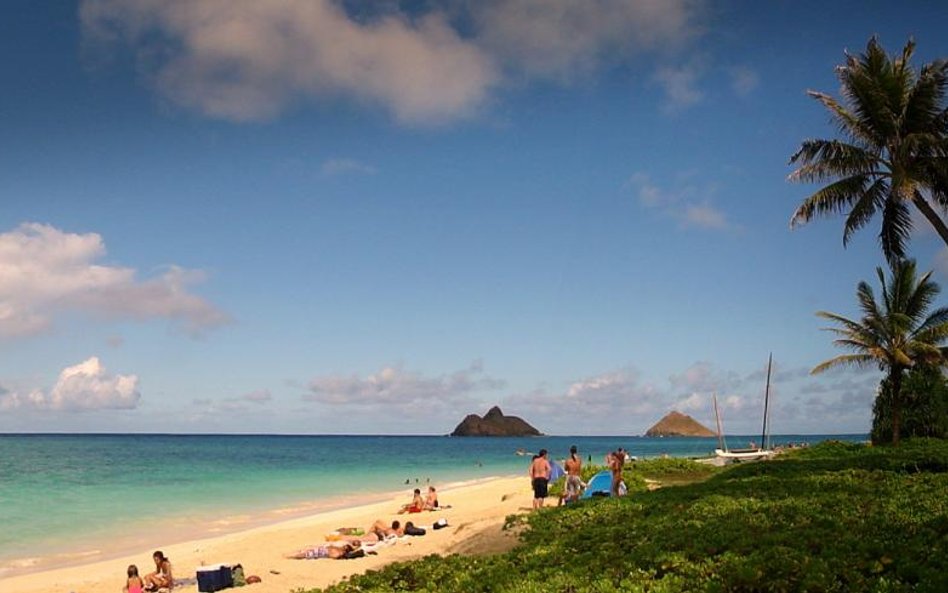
(475,522)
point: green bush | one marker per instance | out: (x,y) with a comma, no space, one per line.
(924,406)
(832,518)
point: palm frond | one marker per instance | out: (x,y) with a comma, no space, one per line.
(865,208)
(831,159)
(896,230)
(859,360)
(832,199)
(923,106)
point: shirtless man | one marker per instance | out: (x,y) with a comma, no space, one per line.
(574,467)
(616,461)
(540,478)
(416,505)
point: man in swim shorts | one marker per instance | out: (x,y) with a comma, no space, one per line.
(540,478)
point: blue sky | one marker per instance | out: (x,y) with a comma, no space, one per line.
(347,217)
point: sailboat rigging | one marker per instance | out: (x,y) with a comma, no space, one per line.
(761,452)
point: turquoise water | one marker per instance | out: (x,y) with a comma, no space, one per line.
(64,498)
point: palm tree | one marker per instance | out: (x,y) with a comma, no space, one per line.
(895,152)
(895,334)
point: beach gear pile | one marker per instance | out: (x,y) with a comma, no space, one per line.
(216,577)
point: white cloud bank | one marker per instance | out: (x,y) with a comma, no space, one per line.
(623,401)
(250,59)
(84,387)
(45,272)
(393,387)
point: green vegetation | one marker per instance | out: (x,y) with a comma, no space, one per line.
(895,334)
(893,157)
(925,393)
(831,518)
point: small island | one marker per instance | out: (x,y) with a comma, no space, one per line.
(676,424)
(494,424)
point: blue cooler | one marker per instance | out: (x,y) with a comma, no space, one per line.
(214,578)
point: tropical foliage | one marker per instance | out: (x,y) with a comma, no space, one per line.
(895,334)
(893,156)
(831,518)
(925,413)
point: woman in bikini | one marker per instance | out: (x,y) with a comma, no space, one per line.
(162,577)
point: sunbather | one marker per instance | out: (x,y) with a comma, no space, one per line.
(416,505)
(331,550)
(431,503)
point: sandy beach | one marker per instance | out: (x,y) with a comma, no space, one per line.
(474,526)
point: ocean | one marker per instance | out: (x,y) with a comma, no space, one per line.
(66,499)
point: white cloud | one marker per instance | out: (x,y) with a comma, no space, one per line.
(687,204)
(251,59)
(333,167)
(704,216)
(258,397)
(393,387)
(45,271)
(743,80)
(623,401)
(563,39)
(83,387)
(680,86)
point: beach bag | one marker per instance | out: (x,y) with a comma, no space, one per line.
(410,529)
(440,524)
(237,573)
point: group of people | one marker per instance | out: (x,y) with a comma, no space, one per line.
(540,470)
(355,543)
(418,504)
(349,543)
(160,580)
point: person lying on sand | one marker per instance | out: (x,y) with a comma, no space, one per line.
(378,532)
(416,505)
(333,550)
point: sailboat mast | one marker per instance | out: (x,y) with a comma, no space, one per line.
(717,421)
(763,432)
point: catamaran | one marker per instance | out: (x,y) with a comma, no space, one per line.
(753,453)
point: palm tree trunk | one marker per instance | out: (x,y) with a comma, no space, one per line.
(937,223)
(896,405)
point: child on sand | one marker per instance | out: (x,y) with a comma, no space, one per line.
(134,583)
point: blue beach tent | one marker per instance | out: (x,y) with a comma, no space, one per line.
(599,485)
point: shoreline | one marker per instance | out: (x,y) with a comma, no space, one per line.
(192,525)
(478,509)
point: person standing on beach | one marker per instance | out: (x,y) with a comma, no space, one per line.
(616,461)
(540,478)
(574,468)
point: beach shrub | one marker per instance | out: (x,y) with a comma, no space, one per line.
(831,518)
(925,406)
(673,469)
